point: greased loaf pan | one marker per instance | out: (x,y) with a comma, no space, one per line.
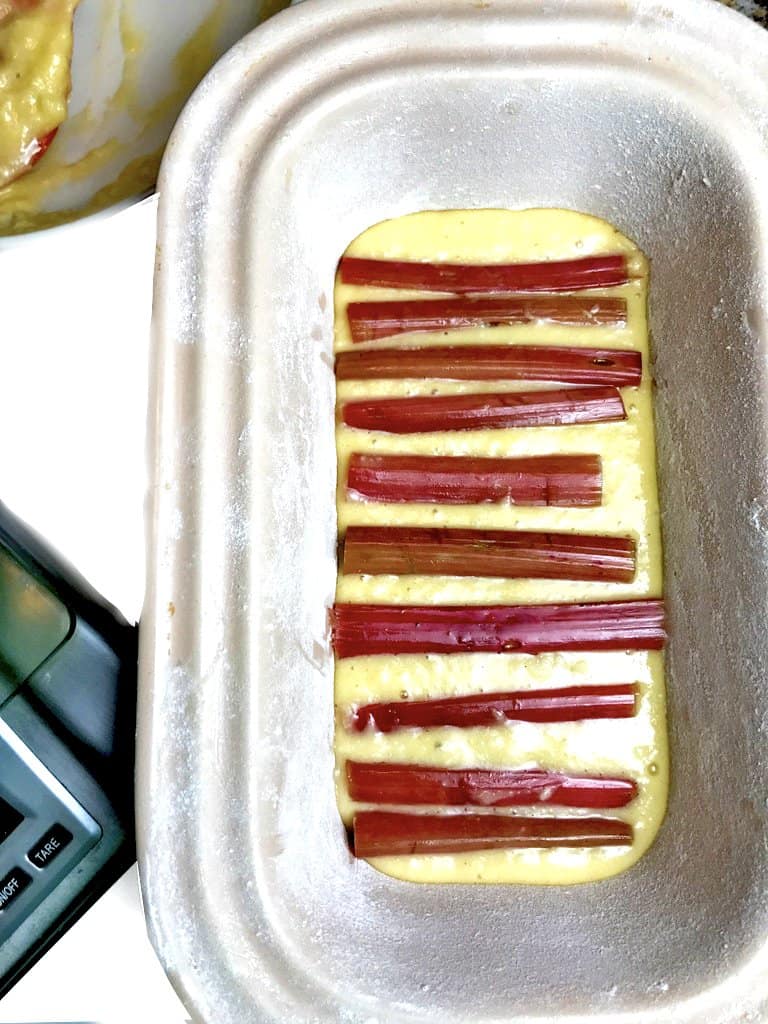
(332,117)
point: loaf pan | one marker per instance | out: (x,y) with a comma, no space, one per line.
(327,119)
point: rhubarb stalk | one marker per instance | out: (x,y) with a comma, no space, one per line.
(461,278)
(564,704)
(423,414)
(361,629)
(387,834)
(369,321)
(563,480)
(408,784)
(558,364)
(512,554)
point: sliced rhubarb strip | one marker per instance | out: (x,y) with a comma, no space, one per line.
(407,784)
(423,414)
(554,276)
(567,704)
(33,153)
(8,8)
(19,6)
(425,551)
(563,480)
(360,629)
(369,321)
(562,365)
(388,834)
(41,146)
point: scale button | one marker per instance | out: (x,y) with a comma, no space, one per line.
(49,846)
(9,819)
(14,883)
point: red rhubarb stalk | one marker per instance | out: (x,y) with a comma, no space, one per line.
(408,784)
(566,704)
(388,834)
(461,278)
(369,321)
(486,411)
(564,480)
(605,366)
(360,629)
(430,551)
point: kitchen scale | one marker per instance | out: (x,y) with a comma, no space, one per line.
(67,723)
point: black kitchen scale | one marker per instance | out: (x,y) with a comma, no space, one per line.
(67,725)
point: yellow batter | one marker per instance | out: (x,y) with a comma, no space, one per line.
(24,203)
(35,56)
(635,747)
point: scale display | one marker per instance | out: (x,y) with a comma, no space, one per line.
(33,623)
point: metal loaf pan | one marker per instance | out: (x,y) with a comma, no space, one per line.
(327,119)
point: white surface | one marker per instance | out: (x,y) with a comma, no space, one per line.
(73,349)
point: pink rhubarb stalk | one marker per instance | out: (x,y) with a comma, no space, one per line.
(513,554)
(362,629)
(370,321)
(569,481)
(564,365)
(424,414)
(461,278)
(564,704)
(412,784)
(388,834)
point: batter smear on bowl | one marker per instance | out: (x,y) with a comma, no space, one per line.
(36,39)
(499,624)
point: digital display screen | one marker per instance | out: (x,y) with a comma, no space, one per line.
(33,622)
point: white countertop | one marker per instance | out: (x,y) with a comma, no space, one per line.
(73,466)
